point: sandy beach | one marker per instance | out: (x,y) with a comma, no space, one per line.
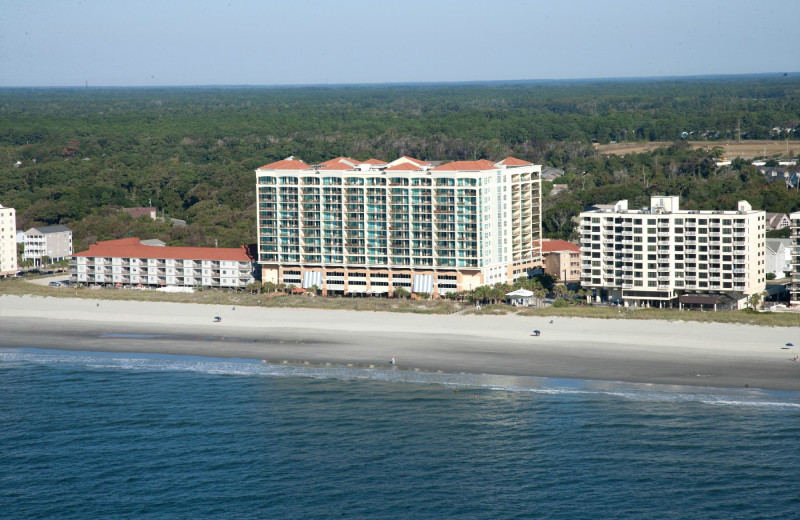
(662,352)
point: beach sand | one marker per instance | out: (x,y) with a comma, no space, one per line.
(661,352)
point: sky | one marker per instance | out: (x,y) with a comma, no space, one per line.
(265,42)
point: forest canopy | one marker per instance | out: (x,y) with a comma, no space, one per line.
(75,156)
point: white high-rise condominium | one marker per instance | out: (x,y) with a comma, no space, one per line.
(663,256)
(8,241)
(794,296)
(370,227)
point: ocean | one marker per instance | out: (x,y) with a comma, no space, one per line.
(89,435)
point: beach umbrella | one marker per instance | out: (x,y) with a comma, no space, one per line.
(790,344)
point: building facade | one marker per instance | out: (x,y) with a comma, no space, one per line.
(779,256)
(128,262)
(777,221)
(562,259)
(370,227)
(794,291)
(8,241)
(663,256)
(54,242)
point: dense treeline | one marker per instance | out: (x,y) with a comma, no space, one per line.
(192,151)
(673,170)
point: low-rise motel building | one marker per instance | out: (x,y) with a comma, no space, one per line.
(794,290)
(128,262)
(562,259)
(370,227)
(663,256)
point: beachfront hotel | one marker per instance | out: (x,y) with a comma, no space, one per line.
(8,241)
(663,256)
(129,262)
(369,227)
(794,290)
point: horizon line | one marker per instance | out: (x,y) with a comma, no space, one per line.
(418,83)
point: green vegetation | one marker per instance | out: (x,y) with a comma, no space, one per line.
(85,153)
(12,286)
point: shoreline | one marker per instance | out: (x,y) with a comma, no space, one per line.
(632,351)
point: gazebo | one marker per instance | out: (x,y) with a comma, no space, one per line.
(520,298)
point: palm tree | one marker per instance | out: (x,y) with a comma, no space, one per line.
(559,291)
(755,300)
(540,295)
(498,292)
(481,293)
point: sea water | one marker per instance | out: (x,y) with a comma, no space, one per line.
(92,435)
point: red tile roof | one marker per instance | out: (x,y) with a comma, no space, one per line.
(340,163)
(287,164)
(403,166)
(335,166)
(133,248)
(481,164)
(513,161)
(346,160)
(550,246)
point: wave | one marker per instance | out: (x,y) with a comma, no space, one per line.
(10,358)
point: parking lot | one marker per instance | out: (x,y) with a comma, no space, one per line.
(60,278)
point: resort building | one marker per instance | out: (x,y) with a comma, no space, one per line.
(663,256)
(53,242)
(128,262)
(794,292)
(8,241)
(562,259)
(369,227)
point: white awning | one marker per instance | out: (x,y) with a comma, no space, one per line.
(520,293)
(311,278)
(423,283)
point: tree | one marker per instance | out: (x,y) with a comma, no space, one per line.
(559,291)
(755,300)
(497,293)
(400,292)
(540,294)
(481,293)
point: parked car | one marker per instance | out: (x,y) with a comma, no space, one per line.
(54,284)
